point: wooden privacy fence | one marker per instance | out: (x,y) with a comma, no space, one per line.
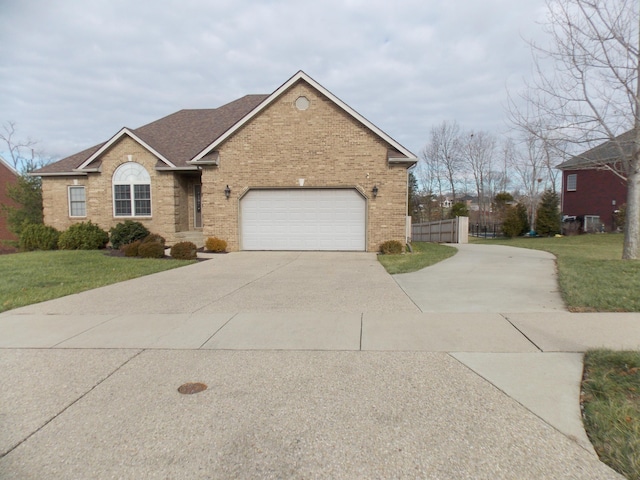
(455,230)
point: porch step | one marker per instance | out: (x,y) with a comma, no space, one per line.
(196,237)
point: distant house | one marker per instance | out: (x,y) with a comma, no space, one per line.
(8,176)
(593,189)
(297,169)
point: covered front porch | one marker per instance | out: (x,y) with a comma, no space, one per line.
(188,209)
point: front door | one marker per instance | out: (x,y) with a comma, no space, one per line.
(197,198)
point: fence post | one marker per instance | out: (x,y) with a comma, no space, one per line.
(463,230)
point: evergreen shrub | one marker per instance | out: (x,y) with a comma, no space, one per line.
(131,249)
(127,232)
(83,236)
(548,215)
(184,251)
(151,250)
(154,238)
(391,247)
(516,221)
(36,236)
(459,209)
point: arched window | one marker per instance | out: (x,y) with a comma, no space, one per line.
(131,191)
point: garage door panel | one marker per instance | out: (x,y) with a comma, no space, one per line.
(322,219)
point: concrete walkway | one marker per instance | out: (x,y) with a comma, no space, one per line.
(487,278)
(317,365)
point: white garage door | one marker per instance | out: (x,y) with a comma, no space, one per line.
(303,219)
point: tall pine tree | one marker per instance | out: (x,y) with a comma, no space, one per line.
(548,215)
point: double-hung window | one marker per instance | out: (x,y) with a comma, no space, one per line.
(77,202)
(131,191)
(572,182)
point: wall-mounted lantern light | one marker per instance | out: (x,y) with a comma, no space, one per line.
(227,192)
(375,191)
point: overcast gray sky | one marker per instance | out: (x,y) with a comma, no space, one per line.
(73,72)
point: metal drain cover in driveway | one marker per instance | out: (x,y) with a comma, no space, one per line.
(190,388)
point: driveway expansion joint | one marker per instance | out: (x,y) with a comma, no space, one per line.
(100,382)
(86,330)
(522,333)
(216,332)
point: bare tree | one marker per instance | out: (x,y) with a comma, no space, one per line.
(22,155)
(430,178)
(444,150)
(530,168)
(478,150)
(586,89)
(504,176)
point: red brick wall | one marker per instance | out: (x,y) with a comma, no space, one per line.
(7,177)
(595,192)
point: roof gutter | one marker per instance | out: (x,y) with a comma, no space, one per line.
(211,159)
(177,169)
(74,173)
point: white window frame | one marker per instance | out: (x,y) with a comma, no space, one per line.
(572,182)
(130,175)
(72,202)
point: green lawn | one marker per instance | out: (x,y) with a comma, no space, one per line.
(34,277)
(424,254)
(591,275)
(611,403)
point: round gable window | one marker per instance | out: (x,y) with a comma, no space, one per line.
(302,103)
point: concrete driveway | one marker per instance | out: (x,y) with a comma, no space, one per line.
(318,365)
(247,282)
(487,278)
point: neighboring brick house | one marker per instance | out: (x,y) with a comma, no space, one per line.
(294,170)
(8,176)
(593,187)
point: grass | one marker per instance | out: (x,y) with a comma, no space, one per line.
(34,277)
(611,406)
(591,275)
(424,254)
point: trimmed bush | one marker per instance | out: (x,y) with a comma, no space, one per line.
(131,249)
(83,236)
(516,221)
(184,251)
(36,236)
(215,244)
(151,250)
(127,232)
(154,238)
(391,247)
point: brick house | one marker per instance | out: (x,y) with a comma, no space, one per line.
(294,170)
(593,187)
(8,176)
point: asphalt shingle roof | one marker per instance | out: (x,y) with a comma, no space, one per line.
(178,137)
(607,152)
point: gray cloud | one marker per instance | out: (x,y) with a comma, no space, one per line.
(74,72)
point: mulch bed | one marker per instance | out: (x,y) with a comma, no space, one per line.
(6,249)
(114,252)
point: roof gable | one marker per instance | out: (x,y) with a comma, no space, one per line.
(603,154)
(301,76)
(114,139)
(4,164)
(174,139)
(182,135)
(187,138)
